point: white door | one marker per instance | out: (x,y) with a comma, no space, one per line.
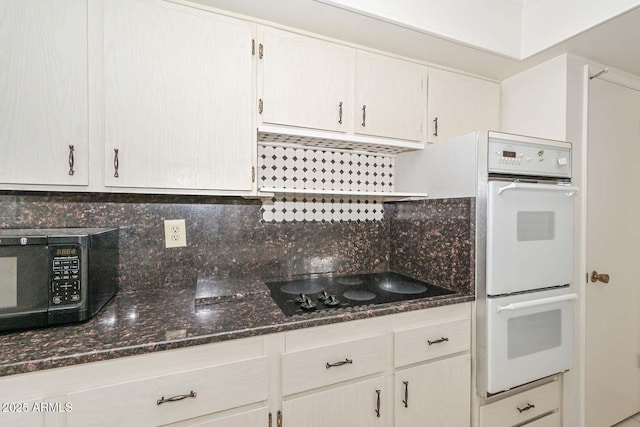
(306,82)
(357,405)
(460,104)
(43,92)
(178,97)
(391,98)
(438,392)
(613,244)
(530,236)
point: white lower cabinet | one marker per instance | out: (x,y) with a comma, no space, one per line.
(433,374)
(356,405)
(437,391)
(338,375)
(170,398)
(22,413)
(525,408)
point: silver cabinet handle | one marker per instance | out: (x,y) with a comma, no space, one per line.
(364,115)
(162,400)
(435,127)
(116,162)
(71,159)
(340,113)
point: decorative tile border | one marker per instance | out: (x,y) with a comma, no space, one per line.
(323,169)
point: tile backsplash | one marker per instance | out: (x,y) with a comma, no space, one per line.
(226,238)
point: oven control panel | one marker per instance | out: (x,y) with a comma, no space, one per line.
(520,158)
(65,275)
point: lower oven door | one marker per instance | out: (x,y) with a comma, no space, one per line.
(529,336)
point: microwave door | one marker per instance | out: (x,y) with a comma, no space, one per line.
(24,278)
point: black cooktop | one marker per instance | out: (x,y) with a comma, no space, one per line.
(331,292)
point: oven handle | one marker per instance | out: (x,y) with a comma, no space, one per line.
(536,302)
(524,186)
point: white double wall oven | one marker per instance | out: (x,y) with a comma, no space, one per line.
(524,219)
(529,267)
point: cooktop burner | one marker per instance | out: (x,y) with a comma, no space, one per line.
(332,292)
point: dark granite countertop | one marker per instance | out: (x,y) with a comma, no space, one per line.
(144,322)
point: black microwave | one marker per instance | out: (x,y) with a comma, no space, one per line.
(55,276)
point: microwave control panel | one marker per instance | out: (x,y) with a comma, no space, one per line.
(65,275)
(520,158)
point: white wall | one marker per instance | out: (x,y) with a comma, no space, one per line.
(534,102)
(548,22)
(493,25)
(549,101)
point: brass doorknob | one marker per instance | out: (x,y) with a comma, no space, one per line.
(595,277)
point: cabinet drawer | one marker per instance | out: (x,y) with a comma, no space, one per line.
(217,388)
(430,342)
(308,369)
(551,420)
(512,410)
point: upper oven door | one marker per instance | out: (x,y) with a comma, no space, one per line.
(529,236)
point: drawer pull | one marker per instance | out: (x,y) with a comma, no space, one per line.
(526,408)
(378,404)
(438,341)
(71,159)
(342,362)
(406,394)
(176,398)
(116,163)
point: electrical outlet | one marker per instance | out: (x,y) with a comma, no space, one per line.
(175,233)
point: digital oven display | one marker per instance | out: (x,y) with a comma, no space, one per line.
(66,251)
(511,154)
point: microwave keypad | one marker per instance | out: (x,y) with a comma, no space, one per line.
(65,286)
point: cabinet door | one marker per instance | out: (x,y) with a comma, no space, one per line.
(306,82)
(460,104)
(390,97)
(17,413)
(354,405)
(43,92)
(437,393)
(178,97)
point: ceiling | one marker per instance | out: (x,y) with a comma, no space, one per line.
(615,43)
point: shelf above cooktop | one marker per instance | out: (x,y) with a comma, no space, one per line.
(268,192)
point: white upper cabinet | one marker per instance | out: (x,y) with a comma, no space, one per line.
(43,92)
(305,82)
(178,98)
(390,97)
(459,104)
